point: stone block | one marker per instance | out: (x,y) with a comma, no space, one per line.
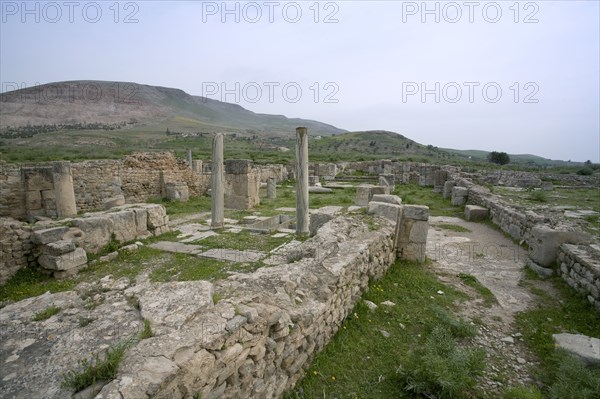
(46,236)
(320,190)
(33,200)
(141,221)
(64,262)
(418,232)
(156,216)
(545,241)
(386,210)
(117,200)
(416,212)
(448,186)
(365,193)
(474,212)
(459,195)
(390,199)
(388,181)
(317,220)
(58,248)
(177,192)
(238,166)
(585,348)
(124,225)
(97,232)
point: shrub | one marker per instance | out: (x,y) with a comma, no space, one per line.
(538,196)
(439,369)
(585,172)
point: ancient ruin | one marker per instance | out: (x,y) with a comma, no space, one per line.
(253,331)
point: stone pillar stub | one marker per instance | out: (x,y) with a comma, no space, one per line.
(302,218)
(217,183)
(63,189)
(411,232)
(271,188)
(189,158)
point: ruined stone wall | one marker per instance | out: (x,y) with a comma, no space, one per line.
(15,247)
(577,267)
(12,194)
(257,343)
(137,177)
(279,172)
(515,222)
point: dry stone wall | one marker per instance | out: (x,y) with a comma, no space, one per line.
(578,266)
(16,249)
(256,342)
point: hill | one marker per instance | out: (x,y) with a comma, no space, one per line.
(103,104)
(89,119)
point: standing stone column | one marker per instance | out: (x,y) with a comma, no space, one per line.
(64,193)
(271,188)
(190,159)
(302,218)
(218,183)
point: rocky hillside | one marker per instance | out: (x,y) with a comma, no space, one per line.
(111,104)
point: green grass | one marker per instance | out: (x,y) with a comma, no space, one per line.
(567,312)
(26,283)
(359,362)
(244,240)
(439,369)
(418,195)
(147,330)
(538,196)
(46,313)
(453,227)
(488,297)
(522,393)
(99,367)
(183,267)
(178,208)
(125,265)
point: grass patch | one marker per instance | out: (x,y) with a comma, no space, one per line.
(573,380)
(418,195)
(439,369)
(522,393)
(147,330)
(26,283)
(184,267)
(244,240)
(178,208)
(488,297)
(359,362)
(565,312)
(128,264)
(46,313)
(538,196)
(453,227)
(99,367)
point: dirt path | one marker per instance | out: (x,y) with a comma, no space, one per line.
(497,263)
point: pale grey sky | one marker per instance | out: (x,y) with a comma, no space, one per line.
(520,77)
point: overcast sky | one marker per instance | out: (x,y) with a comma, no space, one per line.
(484,75)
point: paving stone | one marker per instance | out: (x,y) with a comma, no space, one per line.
(177,247)
(233,255)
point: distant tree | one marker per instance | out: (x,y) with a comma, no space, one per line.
(168,132)
(588,162)
(500,158)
